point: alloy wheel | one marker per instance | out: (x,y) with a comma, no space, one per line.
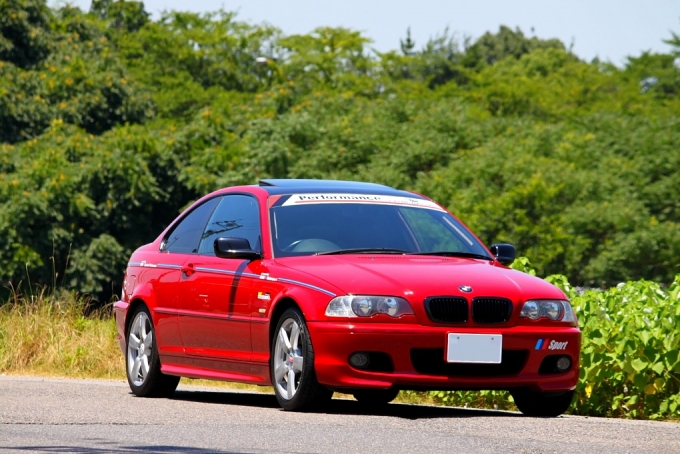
(140,346)
(288,359)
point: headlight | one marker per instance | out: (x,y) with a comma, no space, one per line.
(367,306)
(557,310)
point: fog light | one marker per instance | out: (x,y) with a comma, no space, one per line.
(359,360)
(563,364)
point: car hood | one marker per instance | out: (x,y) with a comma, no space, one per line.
(418,277)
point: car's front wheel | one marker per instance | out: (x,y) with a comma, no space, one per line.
(542,404)
(142,363)
(375,397)
(292,365)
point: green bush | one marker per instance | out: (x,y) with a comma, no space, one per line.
(630,352)
(630,356)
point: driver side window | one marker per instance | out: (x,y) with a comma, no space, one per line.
(183,239)
(236,216)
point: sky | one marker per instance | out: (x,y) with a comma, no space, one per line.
(608,29)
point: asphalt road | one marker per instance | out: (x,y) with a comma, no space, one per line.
(63,415)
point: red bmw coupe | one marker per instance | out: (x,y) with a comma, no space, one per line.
(315,286)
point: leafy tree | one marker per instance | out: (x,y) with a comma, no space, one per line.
(656,74)
(328,56)
(25,35)
(491,48)
(407,45)
(437,63)
(190,58)
(111,123)
(81,81)
(121,15)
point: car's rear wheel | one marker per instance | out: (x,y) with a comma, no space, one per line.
(292,365)
(142,362)
(375,397)
(542,404)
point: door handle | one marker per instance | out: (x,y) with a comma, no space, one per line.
(188,269)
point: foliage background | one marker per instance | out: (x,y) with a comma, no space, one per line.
(111,123)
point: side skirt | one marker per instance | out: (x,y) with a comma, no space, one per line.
(253,373)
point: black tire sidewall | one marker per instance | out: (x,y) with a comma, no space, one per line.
(376,396)
(542,404)
(308,383)
(146,388)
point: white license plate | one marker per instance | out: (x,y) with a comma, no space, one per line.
(474,348)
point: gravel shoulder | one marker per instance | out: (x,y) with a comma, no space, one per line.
(73,415)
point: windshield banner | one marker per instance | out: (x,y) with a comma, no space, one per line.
(307,199)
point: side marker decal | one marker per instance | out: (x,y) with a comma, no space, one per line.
(262,276)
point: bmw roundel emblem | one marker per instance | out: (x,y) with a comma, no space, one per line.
(465,288)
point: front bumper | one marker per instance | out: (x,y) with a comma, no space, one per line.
(334,342)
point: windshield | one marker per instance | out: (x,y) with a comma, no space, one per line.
(308,224)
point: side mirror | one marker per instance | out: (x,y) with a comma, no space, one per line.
(504,253)
(235,248)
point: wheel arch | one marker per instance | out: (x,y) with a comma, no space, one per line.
(283,304)
(134,305)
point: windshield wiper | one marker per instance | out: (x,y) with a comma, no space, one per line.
(454,254)
(364,250)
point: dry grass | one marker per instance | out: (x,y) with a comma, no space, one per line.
(53,334)
(56,335)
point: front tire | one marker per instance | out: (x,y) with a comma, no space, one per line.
(142,363)
(542,404)
(292,365)
(375,397)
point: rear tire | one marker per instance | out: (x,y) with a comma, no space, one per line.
(292,365)
(542,404)
(375,397)
(142,363)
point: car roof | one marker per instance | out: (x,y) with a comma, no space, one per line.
(301,186)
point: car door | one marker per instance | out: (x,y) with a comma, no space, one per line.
(163,271)
(215,293)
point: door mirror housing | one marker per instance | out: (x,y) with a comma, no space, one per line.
(235,248)
(504,253)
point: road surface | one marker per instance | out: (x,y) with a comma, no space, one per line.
(66,415)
